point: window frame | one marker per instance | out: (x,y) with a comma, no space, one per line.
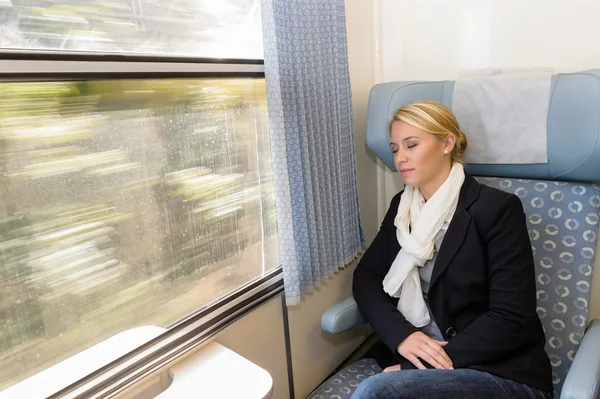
(19,65)
(201,325)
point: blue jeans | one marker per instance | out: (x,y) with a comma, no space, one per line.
(447,384)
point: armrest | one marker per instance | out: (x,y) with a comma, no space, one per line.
(583,380)
(341,317)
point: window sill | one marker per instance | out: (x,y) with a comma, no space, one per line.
(206,373)
(76,367)
(119,362)
(215,371)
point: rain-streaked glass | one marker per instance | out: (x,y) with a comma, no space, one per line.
(193,28)
(126,203)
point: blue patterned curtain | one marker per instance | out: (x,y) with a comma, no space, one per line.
(312,139)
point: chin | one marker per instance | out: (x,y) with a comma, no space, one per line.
(408,181)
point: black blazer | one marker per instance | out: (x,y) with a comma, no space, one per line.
(482,292)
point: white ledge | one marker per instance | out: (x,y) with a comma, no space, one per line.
(63,374)
(215,371)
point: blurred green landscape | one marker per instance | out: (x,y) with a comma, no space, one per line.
(126,203)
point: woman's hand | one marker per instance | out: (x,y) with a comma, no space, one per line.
(419,346)
(392,368)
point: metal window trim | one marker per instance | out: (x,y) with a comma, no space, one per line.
(181,338)
(44,69)
(89,56)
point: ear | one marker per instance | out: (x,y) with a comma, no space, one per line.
(449,143)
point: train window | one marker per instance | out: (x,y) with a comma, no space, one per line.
(136,184)
(201,28)
(126,202)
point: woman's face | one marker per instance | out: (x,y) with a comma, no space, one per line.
(419,157)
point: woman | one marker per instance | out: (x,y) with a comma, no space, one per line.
(448,283)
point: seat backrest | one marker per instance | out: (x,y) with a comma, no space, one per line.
(562,212)
(562,219)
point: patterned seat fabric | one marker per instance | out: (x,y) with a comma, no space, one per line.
(562,219)
(344,383)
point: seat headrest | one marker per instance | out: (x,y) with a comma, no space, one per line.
(573,126)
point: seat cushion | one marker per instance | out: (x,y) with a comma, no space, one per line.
(343,384)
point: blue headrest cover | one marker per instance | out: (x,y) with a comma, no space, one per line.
(573,126)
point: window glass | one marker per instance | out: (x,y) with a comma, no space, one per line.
(195,28)
(126,203)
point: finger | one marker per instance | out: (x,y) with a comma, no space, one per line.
(392,368)
(439,346)
(447,361)
(435,357)
(423,354)
(413,359)
(434,344)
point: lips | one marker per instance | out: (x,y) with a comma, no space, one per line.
(405,172)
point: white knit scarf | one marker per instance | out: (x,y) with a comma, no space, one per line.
(417,224)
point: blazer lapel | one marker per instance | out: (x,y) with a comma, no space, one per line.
(457,229)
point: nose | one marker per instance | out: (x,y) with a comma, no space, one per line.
(399,158)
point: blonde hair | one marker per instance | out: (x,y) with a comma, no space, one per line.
(433,117)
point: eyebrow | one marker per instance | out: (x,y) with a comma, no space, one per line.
(407,138)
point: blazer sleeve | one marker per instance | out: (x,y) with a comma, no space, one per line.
(375,305)
(511,322)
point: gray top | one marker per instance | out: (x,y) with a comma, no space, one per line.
(431,329)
